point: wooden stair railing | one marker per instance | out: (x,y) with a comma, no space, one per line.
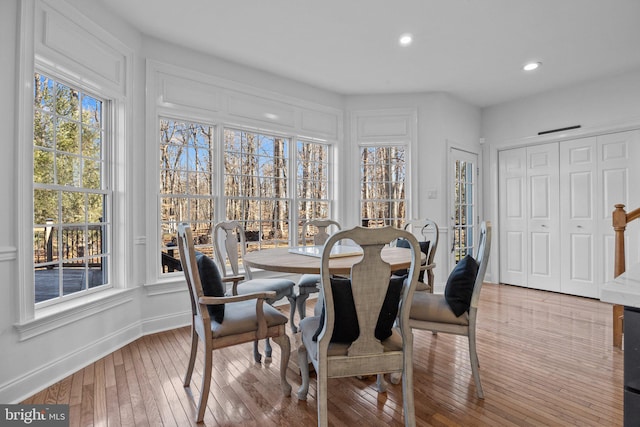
(620,219)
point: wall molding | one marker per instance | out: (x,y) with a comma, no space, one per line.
(57,317)
(8,253)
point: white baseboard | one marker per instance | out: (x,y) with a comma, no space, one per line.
(46,375)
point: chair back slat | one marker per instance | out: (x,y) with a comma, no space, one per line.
(322,226)
(190,268)
(369,284)
(484,248)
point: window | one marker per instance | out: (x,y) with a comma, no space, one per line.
(382,186)
(312,182)
(186,186)
(71,195)
(256,186)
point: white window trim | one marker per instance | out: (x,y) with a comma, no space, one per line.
(31,321)
(212,107)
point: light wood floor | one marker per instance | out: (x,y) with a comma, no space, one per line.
(545,359)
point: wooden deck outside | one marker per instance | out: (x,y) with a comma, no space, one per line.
(545,359)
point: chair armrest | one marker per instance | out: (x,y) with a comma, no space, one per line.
(235,279)
(236,298)
(238,278)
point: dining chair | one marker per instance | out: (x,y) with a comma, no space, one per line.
(428,233)
(308,283)
(456,311)
(229,246)
(221,321)
(363,328)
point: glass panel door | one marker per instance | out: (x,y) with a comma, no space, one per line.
(463,206)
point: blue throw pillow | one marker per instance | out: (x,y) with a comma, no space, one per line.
(345,327)
(460,283)
(212,285)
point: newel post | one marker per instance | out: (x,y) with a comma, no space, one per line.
(619,218)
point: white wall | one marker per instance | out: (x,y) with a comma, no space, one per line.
(599,106)
(29,364)
(442,121)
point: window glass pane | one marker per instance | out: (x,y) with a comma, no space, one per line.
(382,189)
(70,193)
(186,185)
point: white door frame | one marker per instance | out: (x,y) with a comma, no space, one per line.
(455,152)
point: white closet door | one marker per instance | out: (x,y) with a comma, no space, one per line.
(544,217)
(580,246)
(619,165)
(513,216)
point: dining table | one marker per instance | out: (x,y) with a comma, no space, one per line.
(283,260)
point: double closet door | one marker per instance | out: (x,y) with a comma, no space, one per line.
(555,204)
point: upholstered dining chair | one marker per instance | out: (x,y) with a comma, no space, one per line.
(456,311)
(221,321)
(428,234)
(229,245)
(363,328)
(308,283)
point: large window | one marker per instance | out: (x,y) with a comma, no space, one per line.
(256,186)
(312,182)
(186,186)
(71,195)
(382,186)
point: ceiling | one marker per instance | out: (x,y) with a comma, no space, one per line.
(473,49)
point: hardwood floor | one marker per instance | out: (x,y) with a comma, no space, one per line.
(545,359)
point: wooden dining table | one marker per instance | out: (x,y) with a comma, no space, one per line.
(280,259)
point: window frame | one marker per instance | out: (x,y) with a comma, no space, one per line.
(34,54)
(406,146)
(106,189)
(214,195)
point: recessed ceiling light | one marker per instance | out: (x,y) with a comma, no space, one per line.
(531,66)
(405,39)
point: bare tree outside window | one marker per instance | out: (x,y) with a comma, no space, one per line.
(382,186)
(256,181)
(312,193)
(186,186)
(70,191)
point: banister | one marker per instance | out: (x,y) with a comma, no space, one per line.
(620,219)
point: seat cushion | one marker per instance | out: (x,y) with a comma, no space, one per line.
(309,281)
(241,317)
(282,287)
(212,285)
(428,307)
(309,326)
(346,328)
(460,283)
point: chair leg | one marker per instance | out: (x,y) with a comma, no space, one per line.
(206,383)
(303,364)
(381,383)
(285,352)
(192,357)
(395,378)
(301,303)
(256,352)
(407,392)
(292,312)
(322,396)
(475,364)
(267,350)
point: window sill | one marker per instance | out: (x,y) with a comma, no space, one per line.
(58,315)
